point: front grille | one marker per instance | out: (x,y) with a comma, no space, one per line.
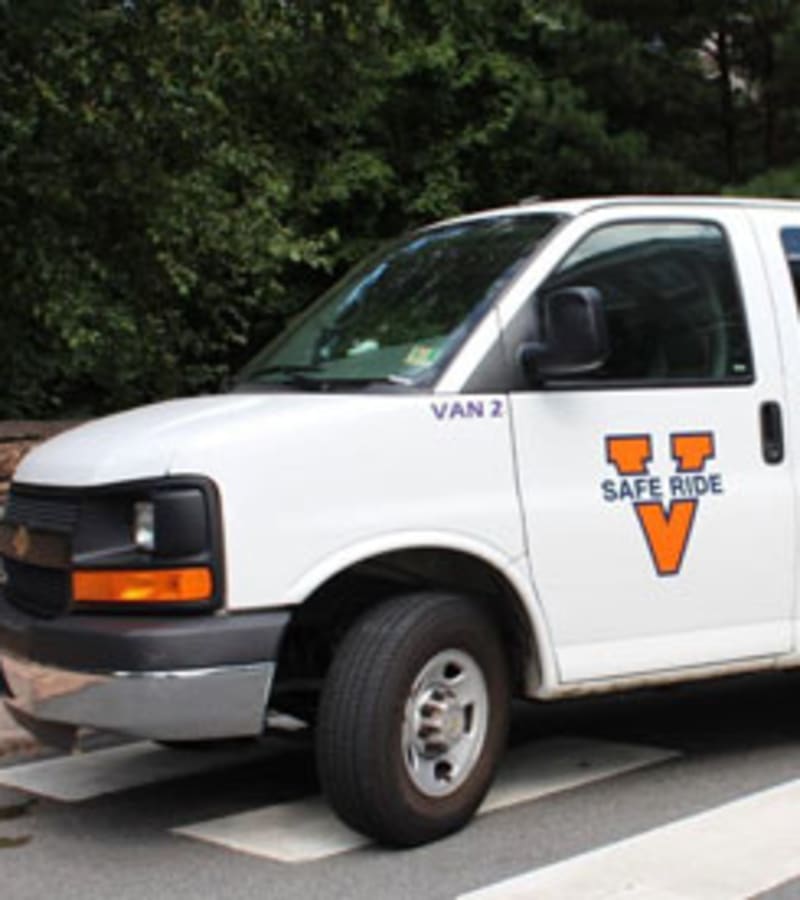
(40,584)
(36,590)
(47,512)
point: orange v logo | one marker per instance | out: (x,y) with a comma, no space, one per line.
(667,534)
(666,529)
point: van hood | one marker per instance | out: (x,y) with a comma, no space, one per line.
(163,438)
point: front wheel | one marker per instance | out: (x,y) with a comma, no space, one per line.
(413,717)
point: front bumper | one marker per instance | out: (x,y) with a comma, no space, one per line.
(161,678)
(192,704)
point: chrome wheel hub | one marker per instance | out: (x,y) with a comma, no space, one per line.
(445,722)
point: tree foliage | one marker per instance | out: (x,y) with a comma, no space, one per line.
(178,178)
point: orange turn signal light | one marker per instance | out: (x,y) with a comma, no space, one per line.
(142,585)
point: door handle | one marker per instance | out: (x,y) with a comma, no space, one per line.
(771,432)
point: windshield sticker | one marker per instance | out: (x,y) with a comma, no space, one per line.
(665,507)
(421,355)
(468,409)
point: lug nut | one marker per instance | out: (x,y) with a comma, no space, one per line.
(434,748)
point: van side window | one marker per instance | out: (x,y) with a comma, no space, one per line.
(790,238)
(671,299)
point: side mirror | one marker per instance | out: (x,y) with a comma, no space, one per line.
(574,336)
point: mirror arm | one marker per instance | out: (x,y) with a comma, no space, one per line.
(528,357)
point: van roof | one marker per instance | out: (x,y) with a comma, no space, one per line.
(577,206)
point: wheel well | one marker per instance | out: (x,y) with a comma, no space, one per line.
(319,624)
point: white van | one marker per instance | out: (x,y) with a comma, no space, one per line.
(539,452)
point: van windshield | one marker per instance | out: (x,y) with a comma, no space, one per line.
(399,316)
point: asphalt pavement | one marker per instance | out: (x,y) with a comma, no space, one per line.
(619,779)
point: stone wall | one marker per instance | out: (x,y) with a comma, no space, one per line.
(16,439)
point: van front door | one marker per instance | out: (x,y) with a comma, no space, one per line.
(657,502)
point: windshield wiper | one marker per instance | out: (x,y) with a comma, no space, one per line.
(294,374)
(300,376)
(288,369)
(342,381)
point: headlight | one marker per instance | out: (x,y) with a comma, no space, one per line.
(144,525)
(154,543)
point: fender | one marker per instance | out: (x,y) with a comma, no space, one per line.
(541,674)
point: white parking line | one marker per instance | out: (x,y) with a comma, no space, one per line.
(729,853)
(83,776)
(289,832)
(308,830)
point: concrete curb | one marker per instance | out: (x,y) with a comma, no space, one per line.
(15,741)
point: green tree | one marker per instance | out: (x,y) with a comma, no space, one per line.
(178,178)
(144,215)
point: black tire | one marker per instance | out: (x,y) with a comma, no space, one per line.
(370,706)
